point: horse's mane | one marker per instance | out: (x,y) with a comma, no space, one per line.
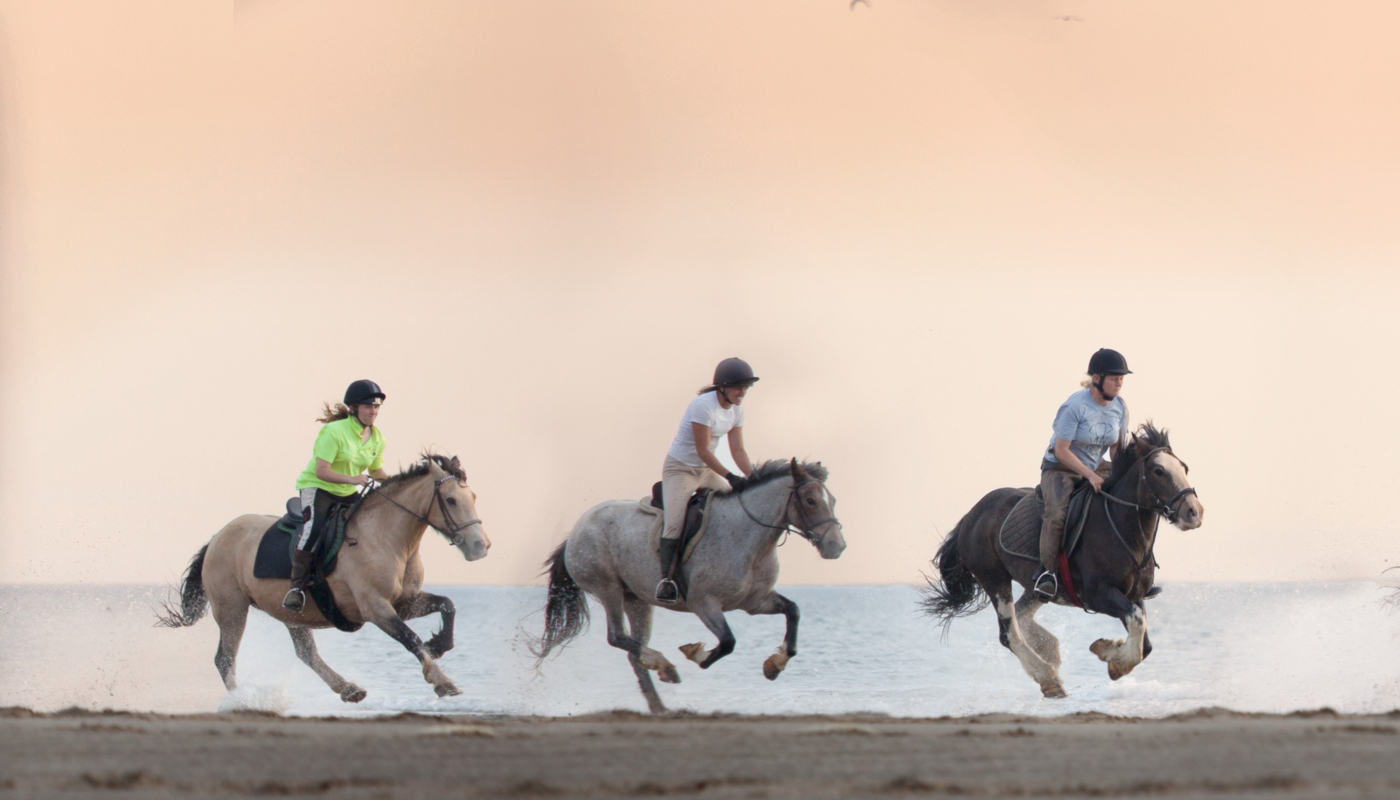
(1148,438)
(770,471)
(420,467)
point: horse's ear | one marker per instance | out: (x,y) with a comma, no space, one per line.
(798,473)
(455,465)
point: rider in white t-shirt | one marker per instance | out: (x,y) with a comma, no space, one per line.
(691,463)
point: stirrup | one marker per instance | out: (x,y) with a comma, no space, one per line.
(667,591)
(295,600)
(1041,579)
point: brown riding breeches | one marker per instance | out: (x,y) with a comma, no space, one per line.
(1056,485)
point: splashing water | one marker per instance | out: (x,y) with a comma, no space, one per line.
(1250,647)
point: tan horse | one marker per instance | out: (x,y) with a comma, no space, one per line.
(378,580)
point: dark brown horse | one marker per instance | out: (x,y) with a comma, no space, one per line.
(1112,568)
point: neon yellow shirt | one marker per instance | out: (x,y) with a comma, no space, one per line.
(341,444)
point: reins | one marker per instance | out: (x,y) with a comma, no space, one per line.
(806,530)
(453,532)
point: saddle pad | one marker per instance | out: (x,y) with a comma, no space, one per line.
(274,560)
(1020,532)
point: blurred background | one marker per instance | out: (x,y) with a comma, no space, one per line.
(539,225)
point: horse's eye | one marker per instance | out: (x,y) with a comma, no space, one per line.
(1158,470)
(811,502)
(452,501)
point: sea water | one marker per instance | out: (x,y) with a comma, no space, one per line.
(1276,647)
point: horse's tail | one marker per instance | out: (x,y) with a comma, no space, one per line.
(565,610)
(956,593)
(193,601)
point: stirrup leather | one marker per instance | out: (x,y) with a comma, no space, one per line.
(1053,581)
(667,591)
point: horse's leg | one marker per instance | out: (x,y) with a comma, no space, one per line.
(1035,666)
(1146,640)
(424,604)
(613,602)
(383,615)
(1042,641)
(777,604)
(231,613)
(1121,654)
(710,614)
(305,644)
(639,622)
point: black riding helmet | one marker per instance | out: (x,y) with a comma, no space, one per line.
(1108,362)
(362,392)
(734,372)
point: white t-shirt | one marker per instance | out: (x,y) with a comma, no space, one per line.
(705,410)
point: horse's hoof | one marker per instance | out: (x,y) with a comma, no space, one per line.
(695,652)
(352,694)
(1115,672)
(1102,647)
(668,674)
(1054,691)
(448,689)
(770,669)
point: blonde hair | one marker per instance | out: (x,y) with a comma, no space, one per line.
(334,413)
(1088,381)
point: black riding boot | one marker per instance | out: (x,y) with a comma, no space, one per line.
(301,570)
(666,590)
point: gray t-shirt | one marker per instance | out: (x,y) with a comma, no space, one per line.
(1089,427)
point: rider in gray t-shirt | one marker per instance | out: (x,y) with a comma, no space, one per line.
(1090,422)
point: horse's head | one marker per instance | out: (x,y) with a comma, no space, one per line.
(811,511)
(1164,478)
(453,512)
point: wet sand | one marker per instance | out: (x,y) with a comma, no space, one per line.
(1208,753)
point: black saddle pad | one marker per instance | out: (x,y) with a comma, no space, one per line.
(1020,531)
(274,559)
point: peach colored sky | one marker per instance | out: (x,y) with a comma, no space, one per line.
(539,225)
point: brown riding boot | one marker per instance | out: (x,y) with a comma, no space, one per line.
(301,570)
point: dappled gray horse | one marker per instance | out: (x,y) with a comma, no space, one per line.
(379,580)
(1113,567)
(734,566)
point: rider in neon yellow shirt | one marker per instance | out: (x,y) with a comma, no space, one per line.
(348,445)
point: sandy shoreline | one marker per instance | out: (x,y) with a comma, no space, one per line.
(1205,753)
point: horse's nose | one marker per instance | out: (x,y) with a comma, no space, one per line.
(1192,514)
(833,546)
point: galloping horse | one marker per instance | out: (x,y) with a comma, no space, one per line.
(1113,566)
(379,580)
(610,555)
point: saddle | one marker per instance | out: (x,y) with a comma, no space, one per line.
(274,558)
(697,521)
(1020,531)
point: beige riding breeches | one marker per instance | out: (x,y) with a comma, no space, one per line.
(678,482)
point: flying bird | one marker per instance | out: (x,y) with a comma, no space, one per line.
(1068,18)
(853,4)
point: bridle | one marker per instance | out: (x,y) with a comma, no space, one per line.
(806,528)
(453,531)
(1171,509)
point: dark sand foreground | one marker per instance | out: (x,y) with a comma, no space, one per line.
(1204,754)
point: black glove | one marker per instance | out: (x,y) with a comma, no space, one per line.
(734,480)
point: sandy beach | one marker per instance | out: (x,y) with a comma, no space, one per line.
(1208,753)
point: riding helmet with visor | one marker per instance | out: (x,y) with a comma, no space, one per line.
(362,392)
(734,372)
(1108,362)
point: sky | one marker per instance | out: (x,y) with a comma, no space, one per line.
(539,225)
